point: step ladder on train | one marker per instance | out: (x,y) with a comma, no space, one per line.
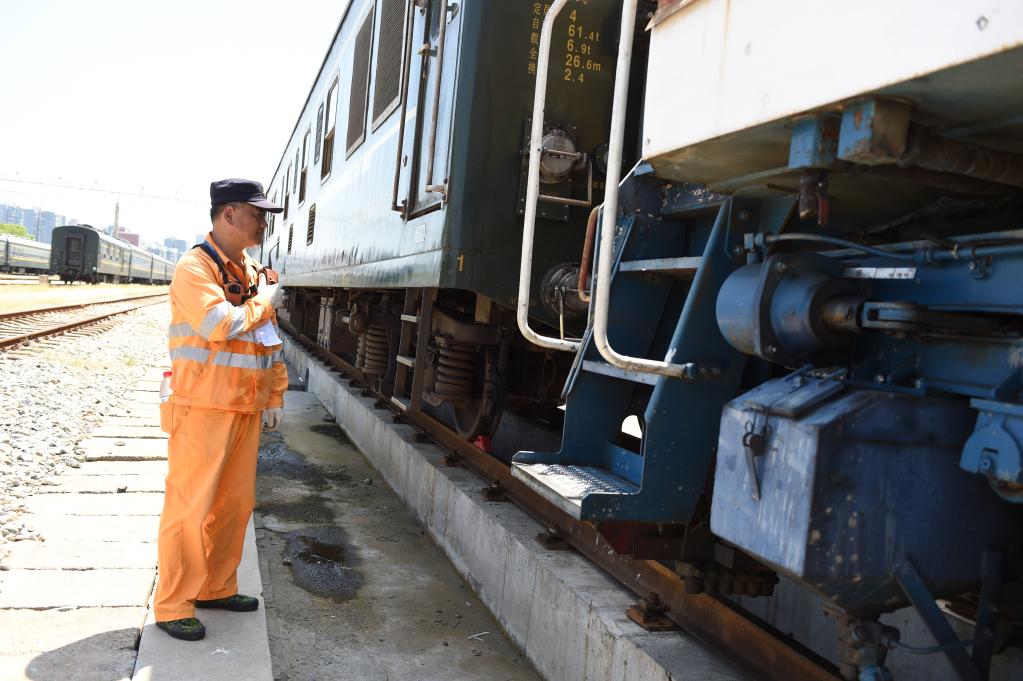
(416,319)
(665,279)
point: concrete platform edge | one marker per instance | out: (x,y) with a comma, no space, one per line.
(564,612)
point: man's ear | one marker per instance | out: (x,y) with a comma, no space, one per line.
(229,214)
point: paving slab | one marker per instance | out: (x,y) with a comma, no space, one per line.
(39,589)
(143,397)
(34,631)
(131,419)
(124,449)
(110,484)
(54,527)
(125,468)
(235,646)
(80,554)
(129,503)
(122,432)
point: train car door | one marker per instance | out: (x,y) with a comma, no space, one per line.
(433,94)
(73,251)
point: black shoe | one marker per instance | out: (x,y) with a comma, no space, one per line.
(187,629)
(236,603)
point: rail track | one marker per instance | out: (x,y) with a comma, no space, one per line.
(751,644)
(17,328)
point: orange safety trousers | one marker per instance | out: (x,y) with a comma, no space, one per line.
(210,494)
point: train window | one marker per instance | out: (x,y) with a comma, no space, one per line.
(291,234)
(294,187)
(287,194)
(360,86)
(311,226)
(319,135)
(387,79)
(304,166)
(328,132)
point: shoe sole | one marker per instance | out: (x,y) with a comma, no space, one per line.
(254,607)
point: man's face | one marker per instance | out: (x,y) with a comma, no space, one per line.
(249,223)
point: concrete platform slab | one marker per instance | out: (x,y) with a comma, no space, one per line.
(40,589)
(35,631)
(121,431)
(124,449)
(105,484)
(129,503)
(55,527)
(132,420)
(564,613)
(143,397)
(355,587)
(235,646)
(86,553)
(121,468)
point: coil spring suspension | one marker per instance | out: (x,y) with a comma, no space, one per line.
(372,352)
(456,371)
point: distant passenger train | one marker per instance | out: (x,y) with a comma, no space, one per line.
(23,256)
(82,253)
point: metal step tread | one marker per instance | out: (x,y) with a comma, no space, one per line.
(679,266)
(407,360)
(566,486)
(411,318)
(399,403)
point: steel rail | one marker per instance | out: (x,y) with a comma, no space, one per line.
(750,644)
(64,308)
(70,326)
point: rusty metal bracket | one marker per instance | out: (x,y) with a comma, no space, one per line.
(650,613)
(553,539)
(494,492)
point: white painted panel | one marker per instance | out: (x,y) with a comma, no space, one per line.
(718,66)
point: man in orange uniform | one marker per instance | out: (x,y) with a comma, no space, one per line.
(229,375)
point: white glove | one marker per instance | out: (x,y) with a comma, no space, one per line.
(273,292)
(272,418)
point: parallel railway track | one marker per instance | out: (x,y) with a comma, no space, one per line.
(17,328)
(751,644)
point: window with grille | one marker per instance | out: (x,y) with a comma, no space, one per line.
(291,235)
(297,166)
(387,79)
(319,135)
(304,166)
(311,226)
(329,124)
(360,86)
(287,193)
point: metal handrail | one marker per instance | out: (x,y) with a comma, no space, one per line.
(435,114)
(533,187)
(410,19)
(602,303)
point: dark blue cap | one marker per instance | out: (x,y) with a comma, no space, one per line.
(234,190)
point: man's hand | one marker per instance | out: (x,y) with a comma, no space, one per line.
(273,292)
(272,418)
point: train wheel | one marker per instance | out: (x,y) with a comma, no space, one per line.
(482,415)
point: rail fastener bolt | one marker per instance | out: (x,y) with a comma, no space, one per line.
(649,613)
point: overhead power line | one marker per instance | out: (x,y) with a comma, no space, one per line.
(99,190)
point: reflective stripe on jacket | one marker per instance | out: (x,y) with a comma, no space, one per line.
(216,360)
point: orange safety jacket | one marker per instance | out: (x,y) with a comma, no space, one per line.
(216,359)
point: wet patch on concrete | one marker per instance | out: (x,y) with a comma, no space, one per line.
(331,430)
(312,509)
(276,458)
(324,563)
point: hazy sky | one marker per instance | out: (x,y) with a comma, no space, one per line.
(137,97)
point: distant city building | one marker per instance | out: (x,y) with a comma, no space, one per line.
(37,222)
(130,237)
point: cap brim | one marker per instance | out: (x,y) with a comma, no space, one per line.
(266,205)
